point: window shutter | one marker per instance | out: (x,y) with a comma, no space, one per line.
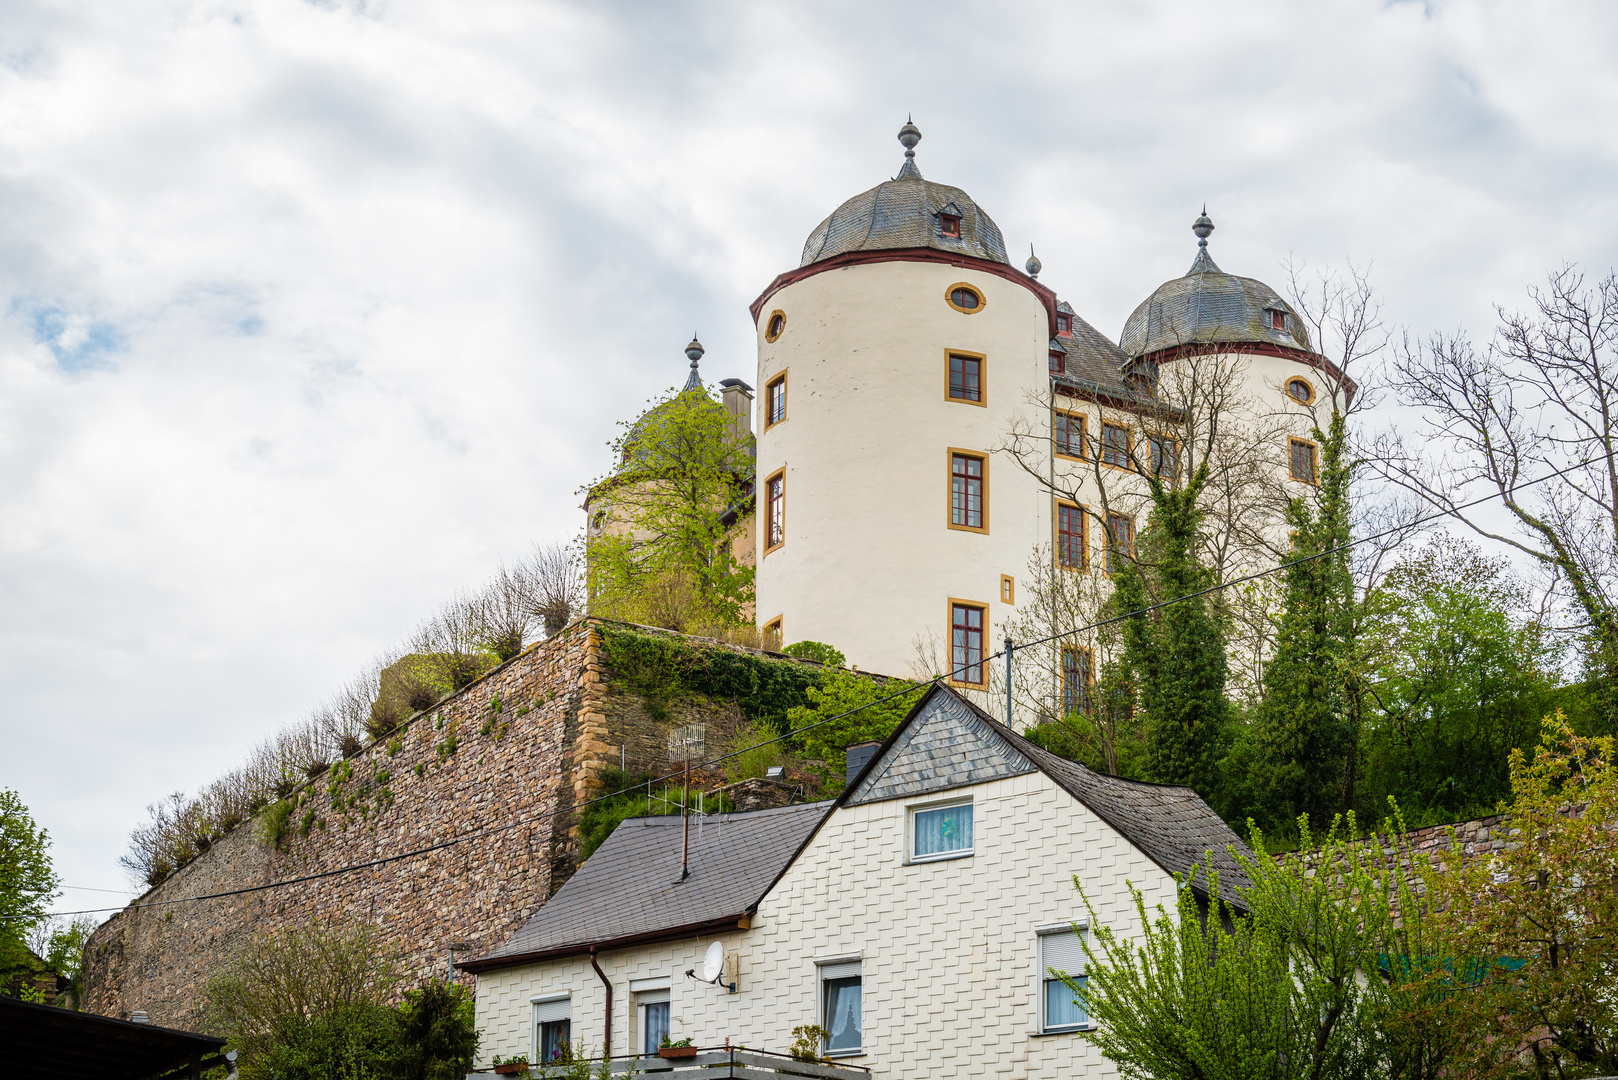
(547,1011)
(840,971)
(1062,951)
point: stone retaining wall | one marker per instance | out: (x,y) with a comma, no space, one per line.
(508,758)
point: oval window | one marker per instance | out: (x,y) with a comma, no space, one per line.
(964,298)
(777,323)
(1300,391)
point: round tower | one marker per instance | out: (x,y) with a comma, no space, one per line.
(891,364)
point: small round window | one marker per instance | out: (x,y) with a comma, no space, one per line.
(963,297)
(776,324)
(1300,391)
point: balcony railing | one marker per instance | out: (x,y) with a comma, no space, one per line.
(714,1063)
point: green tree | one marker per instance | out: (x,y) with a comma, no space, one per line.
(1294,983)
(840,692)
(28,883)
(1454,680)
(1303,725)
(1534,967)
(661,549)
(1176,654)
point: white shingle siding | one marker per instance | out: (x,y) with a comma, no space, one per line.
(949,950)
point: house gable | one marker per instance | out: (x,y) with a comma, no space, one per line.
(944,745)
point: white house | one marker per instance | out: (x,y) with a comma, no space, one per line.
(914,918)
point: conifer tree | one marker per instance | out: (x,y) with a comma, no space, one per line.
(1304,730)
(1176,654)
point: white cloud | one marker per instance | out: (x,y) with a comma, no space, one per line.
(312,312)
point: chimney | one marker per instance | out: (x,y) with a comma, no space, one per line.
(738,398)
(858,755)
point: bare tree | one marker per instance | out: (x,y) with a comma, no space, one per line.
(1539,400)
(553,584)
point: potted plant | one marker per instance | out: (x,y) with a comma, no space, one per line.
(681,1049)
(511,1066)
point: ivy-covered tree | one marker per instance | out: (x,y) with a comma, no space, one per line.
(1175,655)
(1303,728)
(664,525)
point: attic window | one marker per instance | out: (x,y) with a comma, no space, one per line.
(949,224)
(1278,319)
(1058,362)
(1064,324)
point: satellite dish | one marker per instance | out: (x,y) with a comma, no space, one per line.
(713,963)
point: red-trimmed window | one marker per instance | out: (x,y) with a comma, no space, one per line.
(1278,319)
(966,644)
(1304,465)
(949,224)
(966,491)
(965,378)
(1064,324)
(1078,678)
(1058,362)
(1069,433)
(1165,451)
(775,509)
(1120,540)
(1070,539)
(1115,445)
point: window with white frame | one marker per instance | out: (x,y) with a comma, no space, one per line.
(553,1021)
(1060,1009)
(652,1019)
(840,1007)
(940,832)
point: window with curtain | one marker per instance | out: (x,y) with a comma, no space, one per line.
(943,830)
(552,1023)
(840,1000)
(653,1006)
(1060,1008)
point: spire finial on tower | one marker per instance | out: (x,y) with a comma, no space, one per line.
(909,136)
(1203,227)
(1033,265)
(694,351)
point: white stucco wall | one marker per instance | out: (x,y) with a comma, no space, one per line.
(948,949)
(869,560)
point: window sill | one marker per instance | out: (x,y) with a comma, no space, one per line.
(1062,1031)
(925,859)
(840,1054)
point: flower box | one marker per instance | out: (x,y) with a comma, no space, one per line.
(510,1068)
(677,1051)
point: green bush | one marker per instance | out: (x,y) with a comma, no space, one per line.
(276,824)
(661,667)
(839,692)
(818,651)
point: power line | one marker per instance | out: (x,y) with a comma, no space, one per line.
(911,689)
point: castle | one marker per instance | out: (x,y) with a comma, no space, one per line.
(936,427)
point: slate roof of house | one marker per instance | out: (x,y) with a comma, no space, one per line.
(629,889)
(1169,823)
(1094,363)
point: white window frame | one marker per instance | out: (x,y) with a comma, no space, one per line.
(912,810)
(644,992)
(839,967)
(1080,927)
(535,1004)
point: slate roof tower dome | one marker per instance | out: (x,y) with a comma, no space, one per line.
(907,212)
(893,359)
(1208,306)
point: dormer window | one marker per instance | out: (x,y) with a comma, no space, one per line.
(1278,319)
(1058,362)
(1064,324)
(949,224)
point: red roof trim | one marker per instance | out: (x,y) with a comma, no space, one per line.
(1257,348)
(1046,297)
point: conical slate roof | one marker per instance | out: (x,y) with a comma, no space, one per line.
(1208,305)
(904,213)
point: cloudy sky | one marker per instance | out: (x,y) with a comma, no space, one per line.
(314,311)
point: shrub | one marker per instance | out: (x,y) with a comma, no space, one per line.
(817,651)
(838,693)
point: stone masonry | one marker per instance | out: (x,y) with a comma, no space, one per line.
(498,767)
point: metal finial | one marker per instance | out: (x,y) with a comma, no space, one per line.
(909,136)
(1033,265)
(1203,226)
(694,350)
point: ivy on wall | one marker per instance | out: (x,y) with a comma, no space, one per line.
(660,668)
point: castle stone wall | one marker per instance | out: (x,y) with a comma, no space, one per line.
(506,760)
